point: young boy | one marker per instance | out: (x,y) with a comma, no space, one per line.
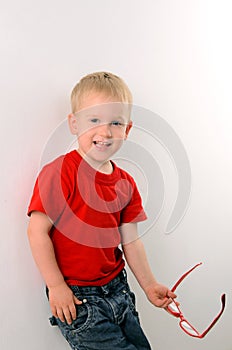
(83,207)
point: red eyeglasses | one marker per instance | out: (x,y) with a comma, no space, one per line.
(174,310)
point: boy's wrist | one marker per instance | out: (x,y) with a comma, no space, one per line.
(55,284)
(150,286)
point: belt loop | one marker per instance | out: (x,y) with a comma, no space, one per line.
(105,290)
(124,274)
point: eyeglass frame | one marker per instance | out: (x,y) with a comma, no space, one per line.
(179,314)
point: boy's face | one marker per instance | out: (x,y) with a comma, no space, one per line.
(101,125)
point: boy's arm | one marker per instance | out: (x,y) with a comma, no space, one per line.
(62,301)
(135,255)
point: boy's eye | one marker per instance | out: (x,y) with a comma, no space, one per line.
(116,123)
(94,120)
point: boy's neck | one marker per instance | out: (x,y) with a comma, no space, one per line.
(105,167)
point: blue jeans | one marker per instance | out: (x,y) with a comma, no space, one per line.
(106,320)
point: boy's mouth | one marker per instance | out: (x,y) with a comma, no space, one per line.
(102,143)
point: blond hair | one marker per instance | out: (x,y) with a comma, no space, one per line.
(104,82)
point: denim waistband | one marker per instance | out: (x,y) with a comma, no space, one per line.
(101,290)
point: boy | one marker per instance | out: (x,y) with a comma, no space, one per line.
(83,207)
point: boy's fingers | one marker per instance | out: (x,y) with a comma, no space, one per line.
(166,303)
(170,294)
(53,310)
(77,301)
(68,315)
(60,315)
(170,300)
(73,312)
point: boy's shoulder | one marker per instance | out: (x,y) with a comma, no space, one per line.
(62,166)
(124,174)
(67,159)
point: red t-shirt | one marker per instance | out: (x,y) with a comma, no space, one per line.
(87,208)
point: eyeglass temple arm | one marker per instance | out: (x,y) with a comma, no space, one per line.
(223,301)
(183,277)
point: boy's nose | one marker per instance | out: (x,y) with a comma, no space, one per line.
(105,130)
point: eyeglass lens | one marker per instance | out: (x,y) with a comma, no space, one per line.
(173,308)
(188,328)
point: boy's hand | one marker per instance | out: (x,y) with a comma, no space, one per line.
(62,302)
(159,295)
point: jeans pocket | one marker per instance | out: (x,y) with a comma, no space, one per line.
(83,319)
(81,323)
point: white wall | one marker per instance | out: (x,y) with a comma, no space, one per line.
(176,57)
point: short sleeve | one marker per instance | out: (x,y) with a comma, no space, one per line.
(50,191)
(133,211)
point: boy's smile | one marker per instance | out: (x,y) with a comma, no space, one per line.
(102,145)
(101,126)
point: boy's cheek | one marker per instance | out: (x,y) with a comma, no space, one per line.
(84,130)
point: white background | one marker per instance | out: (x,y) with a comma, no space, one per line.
(176,57)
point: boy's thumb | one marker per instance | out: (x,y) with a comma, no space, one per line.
(77,301)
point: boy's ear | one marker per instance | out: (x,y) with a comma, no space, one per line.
(72,122)
(128,127)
